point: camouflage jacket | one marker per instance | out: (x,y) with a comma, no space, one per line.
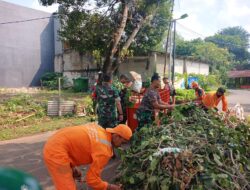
(107,96)
(148,99)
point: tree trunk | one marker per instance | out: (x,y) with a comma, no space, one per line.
(127,44)
(135,31)
(107,67)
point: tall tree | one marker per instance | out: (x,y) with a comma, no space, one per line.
(218,58)
(235,39)
(111,26)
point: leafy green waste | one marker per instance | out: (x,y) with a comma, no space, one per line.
(213,156)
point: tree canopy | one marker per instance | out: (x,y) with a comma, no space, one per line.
(235,39)
(111,27)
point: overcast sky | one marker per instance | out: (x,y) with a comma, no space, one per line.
(205,18)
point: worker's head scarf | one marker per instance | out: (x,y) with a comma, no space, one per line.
(122,130)
(194,84)
(221,90)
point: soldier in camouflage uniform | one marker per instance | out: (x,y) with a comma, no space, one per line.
(151,101)
(108,101)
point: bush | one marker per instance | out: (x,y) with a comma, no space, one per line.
(207,82)
(185,95)
(50,80)
(25,105)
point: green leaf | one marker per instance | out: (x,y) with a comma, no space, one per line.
(222,176)
(153,164)
(140,175)
(152,179)
(217,160)
(131,180)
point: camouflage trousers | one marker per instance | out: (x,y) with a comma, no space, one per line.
(107,122)
(145,118)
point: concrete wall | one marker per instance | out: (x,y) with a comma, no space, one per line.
(143,65)
(192,66)
(57,41)
(74,65)
(146,66)
(26,48)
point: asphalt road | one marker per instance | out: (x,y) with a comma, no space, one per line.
(242,97)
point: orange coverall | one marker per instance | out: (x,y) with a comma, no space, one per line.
(199,93)
(210,100)
(74,146)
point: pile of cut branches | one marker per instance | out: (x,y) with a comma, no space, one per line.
(201,152)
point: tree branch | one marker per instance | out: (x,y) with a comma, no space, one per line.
(107,67)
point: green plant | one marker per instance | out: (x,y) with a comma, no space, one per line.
(207,82)
(204,153)
(117,84)
(146,83)
(185,95)
(50,80)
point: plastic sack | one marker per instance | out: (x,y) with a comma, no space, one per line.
(137,81)
(169,149)
(136,86)
(135,75)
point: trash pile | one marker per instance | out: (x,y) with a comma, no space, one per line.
(191,149)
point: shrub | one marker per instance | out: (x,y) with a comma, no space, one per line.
(185,95)
(50,80)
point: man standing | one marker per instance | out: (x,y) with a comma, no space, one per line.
(82,145)
(199,92)
(211,100)
(108,101)
(170,91)
(124,95)
(151,101)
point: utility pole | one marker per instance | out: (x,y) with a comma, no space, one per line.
(173,53)
(170,54)
(168,44)
(173,67)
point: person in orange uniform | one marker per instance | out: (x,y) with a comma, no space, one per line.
(82,145)
(211,100)
(199,92)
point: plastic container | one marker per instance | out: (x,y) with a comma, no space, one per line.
(81,84)
(132,121)
(163,94)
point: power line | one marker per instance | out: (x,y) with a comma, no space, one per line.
(21,21)
(192,31)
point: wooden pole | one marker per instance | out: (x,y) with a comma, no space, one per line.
(59,98)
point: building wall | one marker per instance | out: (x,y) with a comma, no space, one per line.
(141,65)
(26,48)
(195,67)
(74,65)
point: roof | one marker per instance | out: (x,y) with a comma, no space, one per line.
(239,74)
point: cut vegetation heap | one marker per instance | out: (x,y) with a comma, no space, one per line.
(201,152)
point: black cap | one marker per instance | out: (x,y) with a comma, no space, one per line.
(155,77)
(221,90)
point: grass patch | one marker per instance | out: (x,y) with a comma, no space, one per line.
(24,114)
(51,125)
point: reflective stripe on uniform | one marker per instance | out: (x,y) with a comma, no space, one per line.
(104,141)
